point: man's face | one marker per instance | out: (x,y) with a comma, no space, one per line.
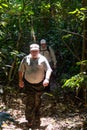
(34,53)
(43,45)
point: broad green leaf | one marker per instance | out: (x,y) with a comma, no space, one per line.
(3,23)
(66,36)
(5,5)
(83,9)
(0,7)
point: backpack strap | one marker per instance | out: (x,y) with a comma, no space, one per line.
(46,49)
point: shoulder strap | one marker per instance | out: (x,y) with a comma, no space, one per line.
(48,49)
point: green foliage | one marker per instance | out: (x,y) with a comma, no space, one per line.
(79,13)
(84,62)
(78,80)
(56,21)
(66,36)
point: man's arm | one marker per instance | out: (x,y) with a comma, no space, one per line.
(53,56)
(21,71)
(48,74)
(21,83)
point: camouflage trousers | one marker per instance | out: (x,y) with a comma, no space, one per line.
(33,101)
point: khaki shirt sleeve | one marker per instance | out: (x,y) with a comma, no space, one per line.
(53,56)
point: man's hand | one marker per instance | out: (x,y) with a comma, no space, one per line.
(45,82)
(54,66)
(21,84)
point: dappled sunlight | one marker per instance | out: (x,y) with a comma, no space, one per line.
(55,115)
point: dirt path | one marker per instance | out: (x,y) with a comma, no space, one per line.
(60,114)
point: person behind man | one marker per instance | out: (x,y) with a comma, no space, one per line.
(34,75)
(48,52)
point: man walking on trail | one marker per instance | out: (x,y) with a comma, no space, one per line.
(48,52)
(34,75)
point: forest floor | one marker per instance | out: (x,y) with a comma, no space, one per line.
(61,111)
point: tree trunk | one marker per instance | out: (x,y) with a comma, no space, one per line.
(84,47)
(83,90)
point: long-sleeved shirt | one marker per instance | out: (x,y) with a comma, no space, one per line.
(49,54)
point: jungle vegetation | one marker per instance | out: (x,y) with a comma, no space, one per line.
(63,23)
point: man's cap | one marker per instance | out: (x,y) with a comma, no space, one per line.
(34,47)
(43,41)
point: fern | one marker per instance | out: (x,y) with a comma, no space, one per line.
(76,81)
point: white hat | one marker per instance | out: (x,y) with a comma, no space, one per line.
(43,41)
(34,47)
